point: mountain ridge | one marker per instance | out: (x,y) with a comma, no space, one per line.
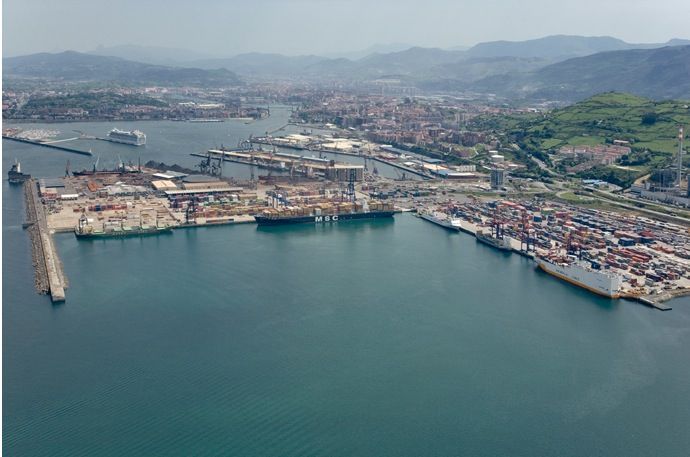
(72,66)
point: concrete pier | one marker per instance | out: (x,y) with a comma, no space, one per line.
(48,145)
(654,304)
(49,275)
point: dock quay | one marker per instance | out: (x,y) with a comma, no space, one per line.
(241,219)
(627,256)
(399,166)
(313,148)
(293,163)
(49,275)
(654,304)
(229,158)
(657,301)
(48,145)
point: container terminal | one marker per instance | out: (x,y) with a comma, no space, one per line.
(139,201)
(610,253)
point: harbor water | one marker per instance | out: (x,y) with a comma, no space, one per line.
(388,337)
(170,142)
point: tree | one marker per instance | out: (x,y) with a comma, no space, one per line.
(649,118)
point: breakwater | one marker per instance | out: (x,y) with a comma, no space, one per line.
(49,277)
(48,145)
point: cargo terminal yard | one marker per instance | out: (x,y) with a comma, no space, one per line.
(636,256)
(651,259)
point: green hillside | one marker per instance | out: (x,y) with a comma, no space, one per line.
(651,128)
(648,125)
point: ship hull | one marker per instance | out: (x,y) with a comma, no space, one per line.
(122,234)
(608,289)
(322,219)
(18,179)
(493,242)
(444,224)
(91,173)
(131,143)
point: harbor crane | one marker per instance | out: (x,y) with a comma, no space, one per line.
(190,212)
(526,238)
(349,194)
(209,166)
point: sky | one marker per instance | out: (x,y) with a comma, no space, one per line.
(325,27)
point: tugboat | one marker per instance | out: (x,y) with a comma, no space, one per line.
(15,175)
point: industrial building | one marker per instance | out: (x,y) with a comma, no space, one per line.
(497,177)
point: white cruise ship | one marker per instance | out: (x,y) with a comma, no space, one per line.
(135,137)
(582,274)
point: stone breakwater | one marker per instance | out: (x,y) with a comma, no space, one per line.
(48,277)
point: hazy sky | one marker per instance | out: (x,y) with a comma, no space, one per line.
(228,27)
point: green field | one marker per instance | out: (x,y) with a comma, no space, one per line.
(650,127)
(601,119)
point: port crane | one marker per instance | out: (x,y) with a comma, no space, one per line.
(190,212)
(349,194)
(526,238)
(571,247)
(245,145)
(208,165)
(497,223)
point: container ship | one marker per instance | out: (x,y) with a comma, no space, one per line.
(327,213)
(15,175)
(440,219)
(84,230)
(134,138)
(501,243)
(582,274)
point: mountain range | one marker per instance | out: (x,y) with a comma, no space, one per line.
(71,66)
(560,67)
(388,59)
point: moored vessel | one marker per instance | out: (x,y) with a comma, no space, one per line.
(15,175)
(500,243)
(440,219)
(324,214)
(84,230)
(582,274)
(134,137)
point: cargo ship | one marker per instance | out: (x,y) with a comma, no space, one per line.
(84,230)
(121,169)
(324,214)
(501,243)
(15,175)
(440,219)
(134,138)
(582,274)
(97,172)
